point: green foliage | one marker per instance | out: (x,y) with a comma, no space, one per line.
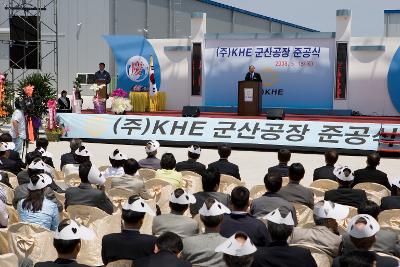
(43,92)
(76,83)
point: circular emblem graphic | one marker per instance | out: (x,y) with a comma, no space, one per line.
(137,68)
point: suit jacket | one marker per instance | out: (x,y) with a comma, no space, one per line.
(320,237)
(324,172)
(60,263)
(5,179)
(297,193)
(254,228)
(14,155)
(179,224)
(226,167)
(280,254)
(347,196)
(150,163)
(381,261)
(371,175)
(132,183)
(36,154)
(67,158)
(256,77)
(127,245)
(85,194)
(162,258)
(390,202)
(9,165)
(21,192)
(281,168)
(202,196)
(63,105)
(190,165)
(269,202)
(199,250)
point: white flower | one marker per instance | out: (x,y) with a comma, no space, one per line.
(96,87)
(120,104)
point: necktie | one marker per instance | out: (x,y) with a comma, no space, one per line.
(252,76)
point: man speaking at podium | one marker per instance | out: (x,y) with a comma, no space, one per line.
(252,75)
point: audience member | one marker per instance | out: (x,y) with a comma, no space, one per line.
(69,158)
(271,200)
(151,162)
(358,258)
(387,241)
(168,250)
(67,242)
(191,164)
(18,126)
(35,208)
(362,229)
(223,165)
(176,221)
(278,252)
(14,155)
(370,174)
(393,201)
(344,194)
(63,102)
(325,234)
(119,246)
(3,209)
(294,191)
(85,194)
(200,249)
(282,168)
(5,179)
(238,250)
(210,182)
(40,151)
(81,155)
(168,172)
(117,161)
(241,220)
(7,164)
(326,172)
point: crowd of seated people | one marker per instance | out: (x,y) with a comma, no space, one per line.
(207,227)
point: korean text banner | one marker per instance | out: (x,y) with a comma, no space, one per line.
(296,73)
(362,136)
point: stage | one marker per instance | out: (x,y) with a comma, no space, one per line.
(310,133)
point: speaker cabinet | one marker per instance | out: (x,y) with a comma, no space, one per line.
(190,111)
(275,114)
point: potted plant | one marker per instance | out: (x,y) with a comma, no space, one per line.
(77,100)
(6,98)
(120,103)
(54,134)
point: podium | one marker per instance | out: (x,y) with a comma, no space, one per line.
(249,98)
(102,93)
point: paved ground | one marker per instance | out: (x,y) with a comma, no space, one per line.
(252,164)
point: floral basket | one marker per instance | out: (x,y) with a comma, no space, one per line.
(120,103)
(53,137)
(99,106)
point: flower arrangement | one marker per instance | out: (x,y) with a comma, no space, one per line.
(120,103)
(119,93)
(139,88)
(6,96)
(96,87)
(55,129)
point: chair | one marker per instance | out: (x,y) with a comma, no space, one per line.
(193,183)
(321,258)
(8,260)
(119,195)
(305,215)
(148,219)
(190,173)
(59,175)
(103,168)
(13,216)
(324,184)
(85,214)
(162,198)
(389,256)
(147,174)
(72,179)
(257,191)
(107,184)
(4,248)
(150,184)
(12,178)
(344,223)
(60,197)
(318,194)
(229,182)
(374,191)
(9,193)
(285,181)
(31,241)
(120,263)
(390,218)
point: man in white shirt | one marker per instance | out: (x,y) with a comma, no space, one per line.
(18,127)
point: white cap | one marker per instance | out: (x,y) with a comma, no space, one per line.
(74,231)
(38,165)
(116,155)
(340,174)
(396,182)
(329,210)
(184,199)
(4,146)
(138,205)
(47,154)
(152,146)
(95,176)
(360,230)
(276,217)
(216,209)
(234,247)
(43,181)
(82,151)
(194,149)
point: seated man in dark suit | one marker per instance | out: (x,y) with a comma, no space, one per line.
(223,165)
(119,246)
(67,242)
(252,75)
(210,181)
(278,252)
(238,250)
(14,155)
(85,194)
(168,249)
(282,168)
(241,220)
(370,174)
(69,158)
(191,164)
(344,194)
(7,164)
(41,148)
(393,201)
(326,172)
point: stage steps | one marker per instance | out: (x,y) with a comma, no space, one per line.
(389,142)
